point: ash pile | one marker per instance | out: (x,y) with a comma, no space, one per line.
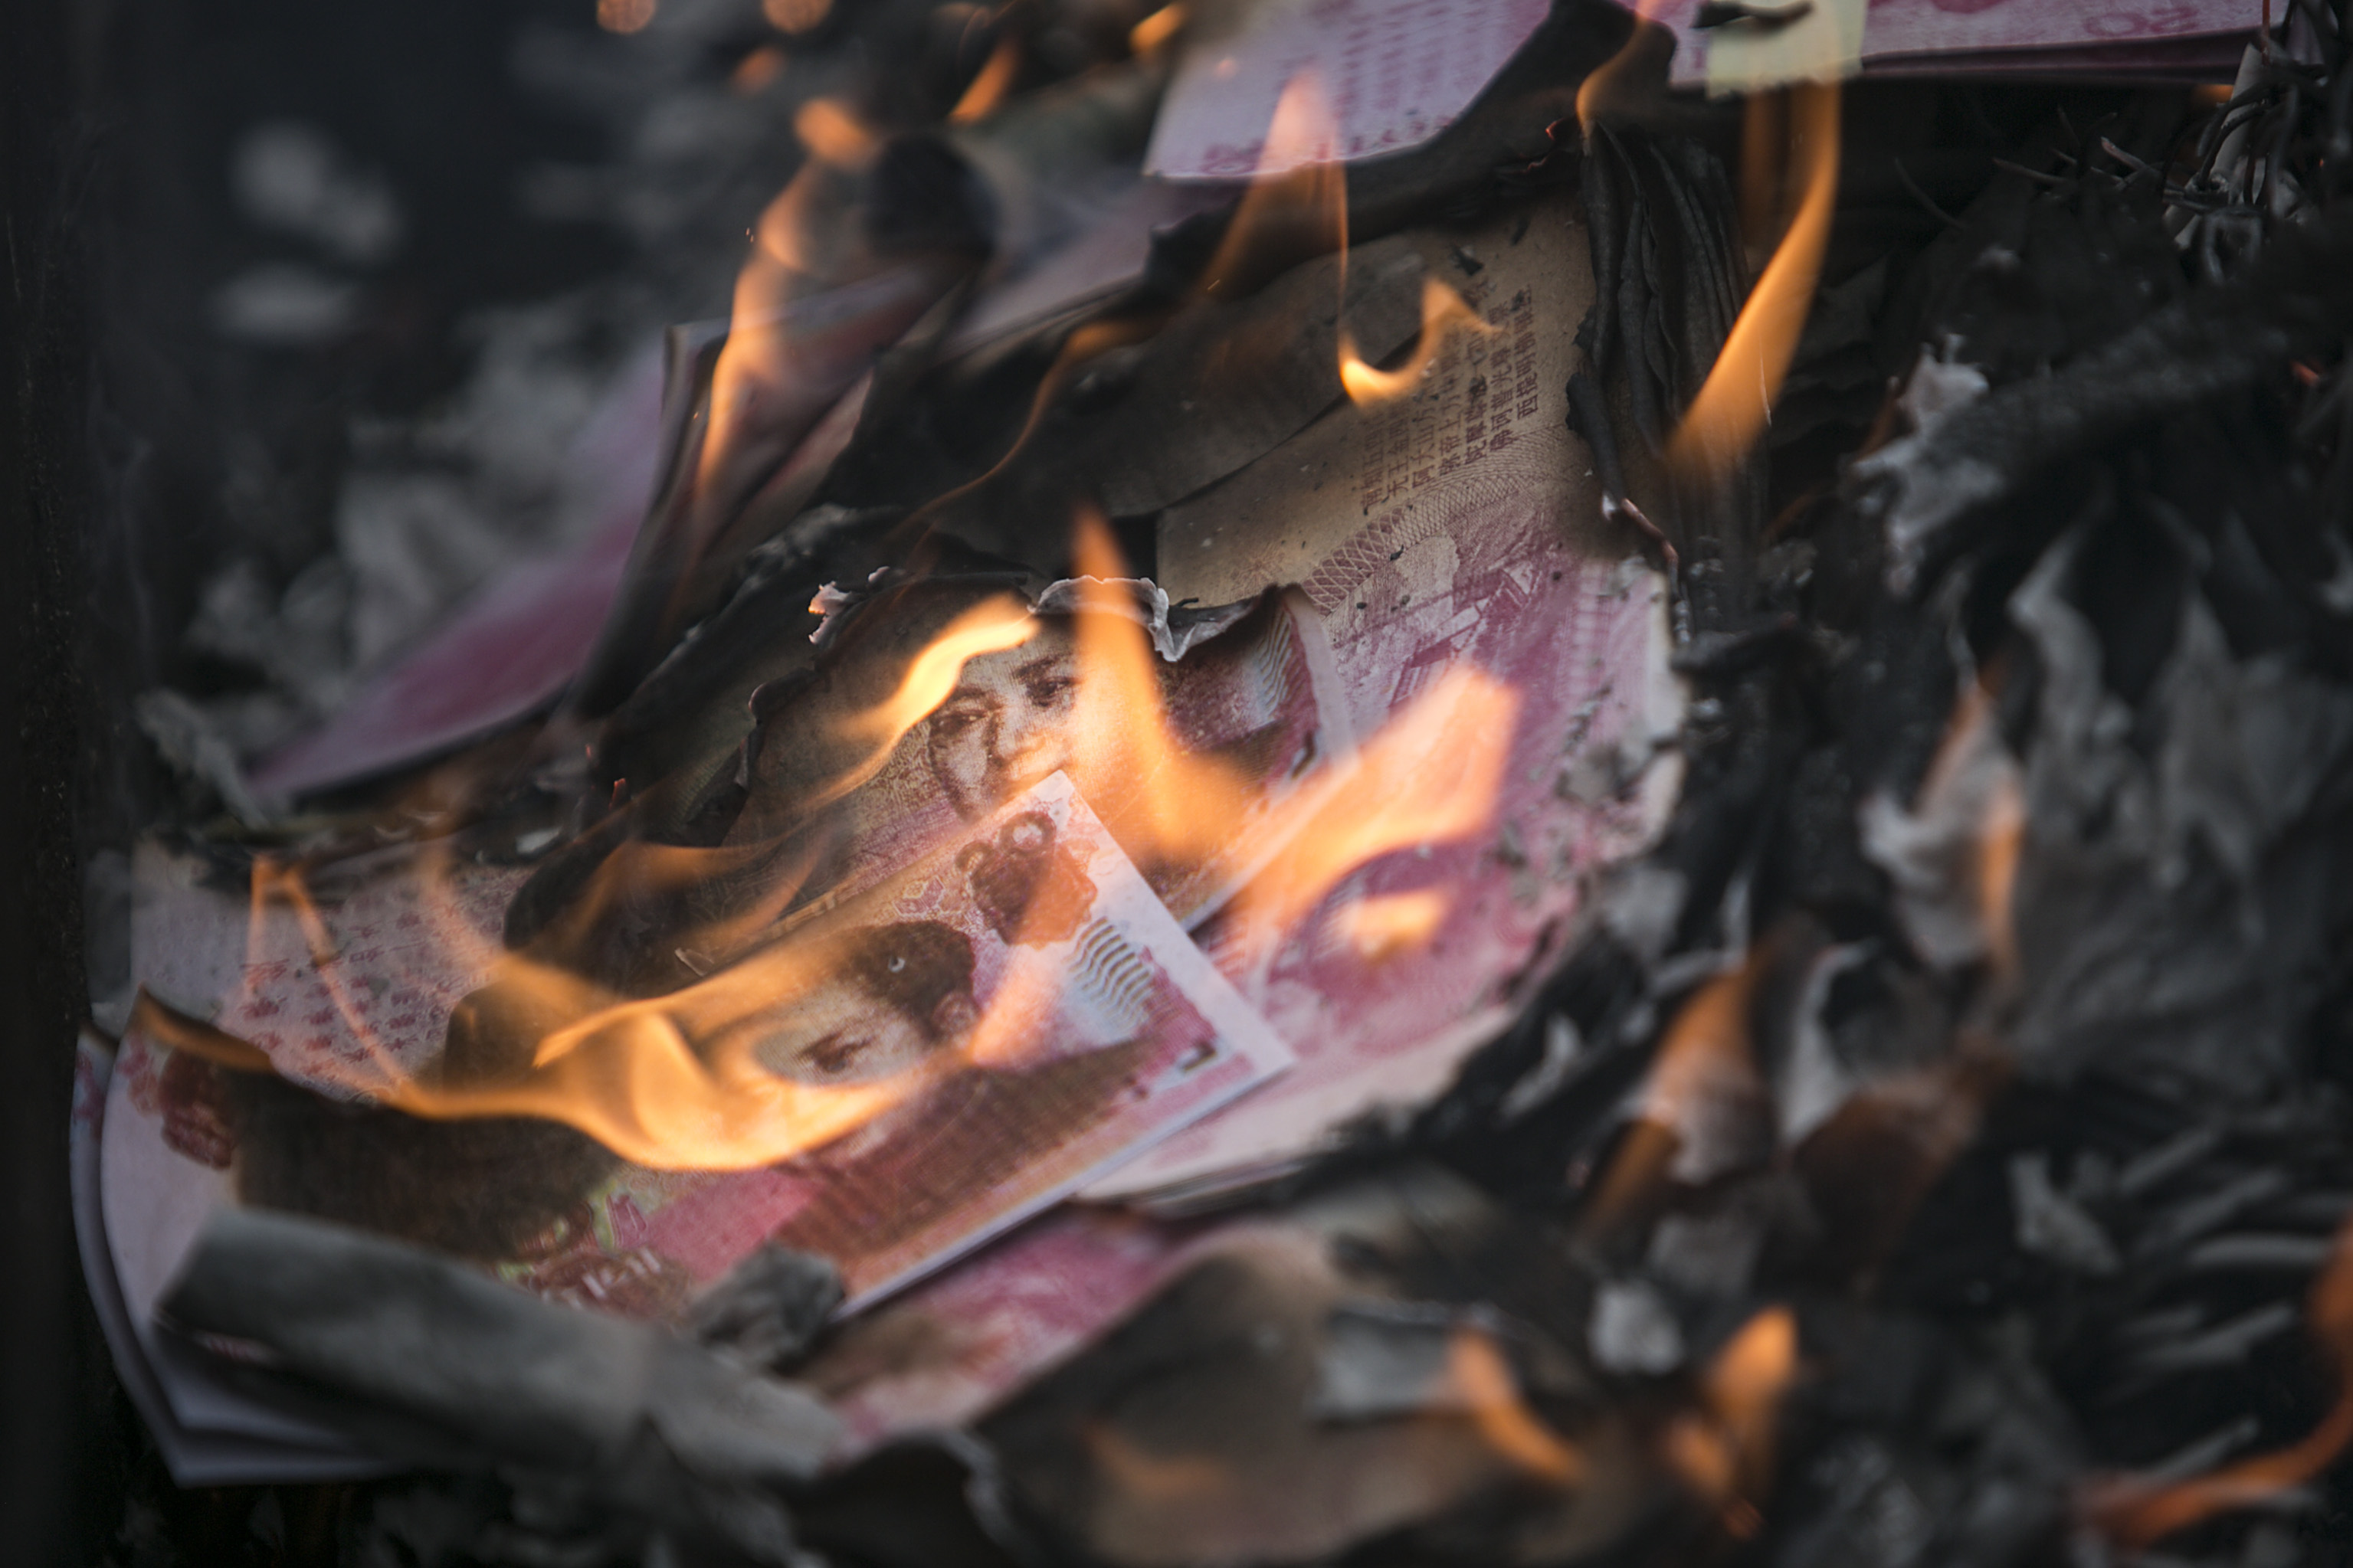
(1380,783)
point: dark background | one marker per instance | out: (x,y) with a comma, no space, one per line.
(64,1419)
(116,125)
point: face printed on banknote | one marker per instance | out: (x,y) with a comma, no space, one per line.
(1007,724)
(1257,707)
(886,1085)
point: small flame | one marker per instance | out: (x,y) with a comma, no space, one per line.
(1431,775)
(995,625)
(1594,92)
(1509,1427)
(670,1083)
(1297,204)
(1724,1450)
(1159,799)
(988,89)
(1442,310)
(1147,36)
(1294,209)
(1708,1041)
(1736,403)
(1385,926)
(2136,1514)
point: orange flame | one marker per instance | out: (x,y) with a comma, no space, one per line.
(1298,207)
(1442,310)
(1431,775)
(992,626)
(1158,798)
(676,1082)
(2137,1514)
(1392,923)
(1147,36)
(988,89)
(1594,92)
(1725,1451)
(1736,403)
(1297,204)
(1708,1039)
(1504,1419)
(718,1075)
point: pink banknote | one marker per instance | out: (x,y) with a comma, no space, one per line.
(516,644)
(1254,715)
(1505,653)
(1897,32)
(1391,74)
(889,1086)
(284,1447)
(949,1349)
(1034,1016)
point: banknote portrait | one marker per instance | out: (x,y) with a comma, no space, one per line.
(931,706)
(885,1084)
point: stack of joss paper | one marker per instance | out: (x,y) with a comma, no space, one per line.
(992,865)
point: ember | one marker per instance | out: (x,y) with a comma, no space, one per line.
(1386,779)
